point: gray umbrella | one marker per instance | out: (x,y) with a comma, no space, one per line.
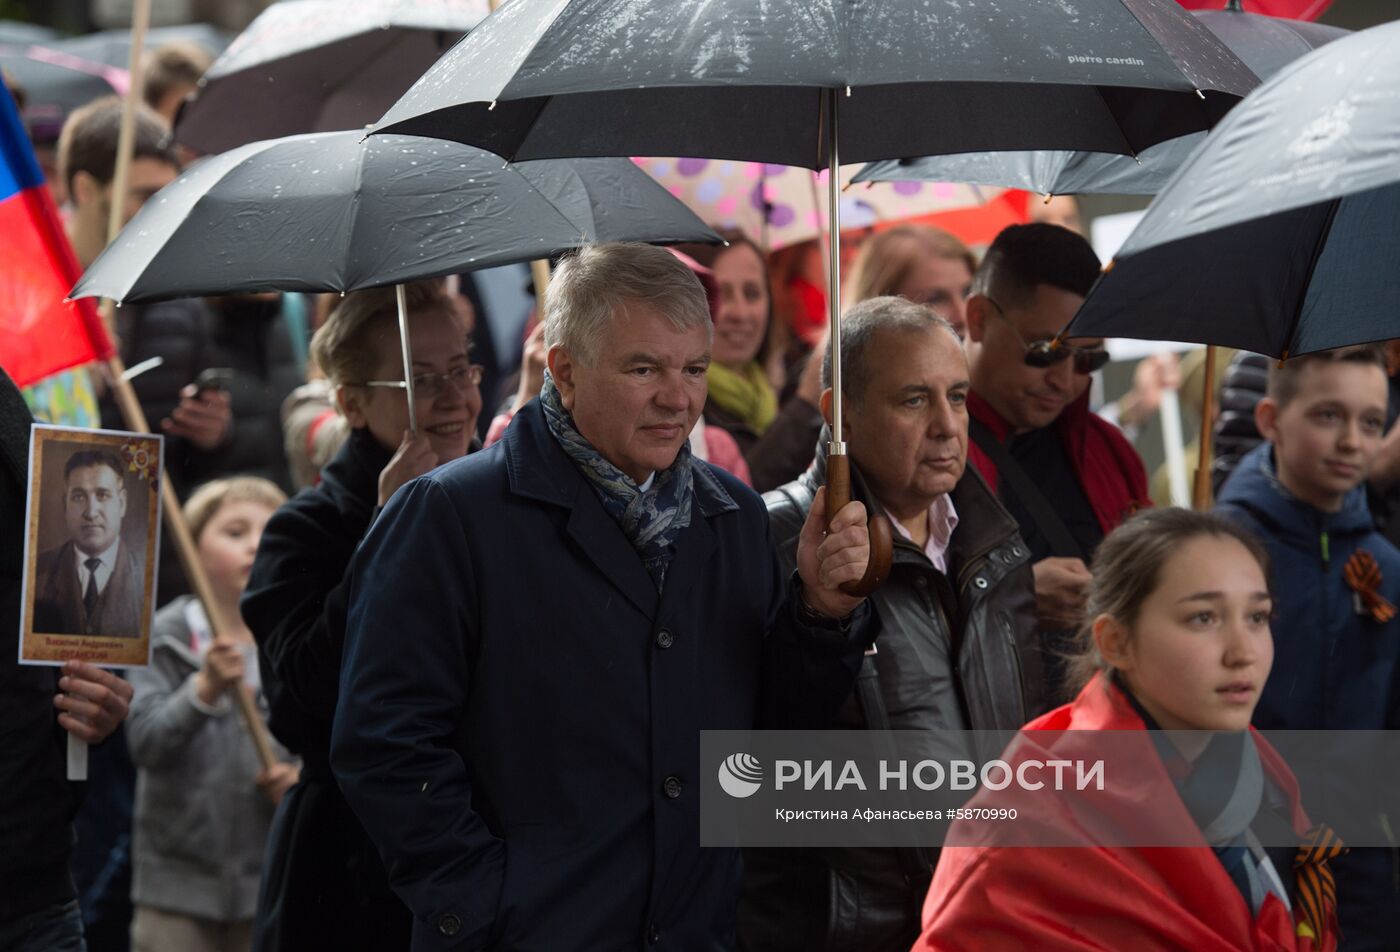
(1278,235)
(319,66)
(113,47)
(798,81)
(1265,44)
(22,34)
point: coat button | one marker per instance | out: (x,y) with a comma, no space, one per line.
(1016,551)
(653,934)
(980,582)
(449,925)
(673,787)
(664,638)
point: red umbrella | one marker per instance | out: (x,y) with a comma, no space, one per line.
(1292,9)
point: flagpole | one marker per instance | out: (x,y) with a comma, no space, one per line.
(135,417)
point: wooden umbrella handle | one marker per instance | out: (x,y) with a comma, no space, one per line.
(838,493)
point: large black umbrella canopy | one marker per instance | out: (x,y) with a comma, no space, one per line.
(1279,234)
(1264,44)
(330,212)
(320,66)
(746,79)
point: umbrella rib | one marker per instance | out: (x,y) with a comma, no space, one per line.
(1122,133)
(1286,350)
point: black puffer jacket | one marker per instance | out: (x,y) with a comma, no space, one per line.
(955,651)
(1235,432)
(37,803)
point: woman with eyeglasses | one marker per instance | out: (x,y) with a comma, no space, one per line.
(324,886)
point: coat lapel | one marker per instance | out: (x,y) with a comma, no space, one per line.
(539,469)
(600,538)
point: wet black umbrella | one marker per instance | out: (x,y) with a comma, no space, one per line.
(1265,44)
(319,66)
(1279,235)
(329,212)
(798,82)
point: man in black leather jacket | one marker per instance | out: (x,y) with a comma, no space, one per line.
(958,648)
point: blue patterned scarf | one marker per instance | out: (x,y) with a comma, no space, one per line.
(651,520)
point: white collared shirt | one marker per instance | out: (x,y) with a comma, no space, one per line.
(103,571)
(942,520)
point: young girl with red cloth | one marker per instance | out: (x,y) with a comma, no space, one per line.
(1178,641)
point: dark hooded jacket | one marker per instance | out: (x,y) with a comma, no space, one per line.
(956,651)
(1334,667)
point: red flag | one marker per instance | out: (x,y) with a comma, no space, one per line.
(40,332)
(1292,9)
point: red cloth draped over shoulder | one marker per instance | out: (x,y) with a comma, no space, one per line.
(990,897)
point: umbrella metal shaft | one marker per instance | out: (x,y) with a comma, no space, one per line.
(407,358)
(833,250)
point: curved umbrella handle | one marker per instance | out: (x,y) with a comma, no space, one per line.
(838,493)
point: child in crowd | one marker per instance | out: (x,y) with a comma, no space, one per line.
(1336,580)
(203,806)
(1178,641)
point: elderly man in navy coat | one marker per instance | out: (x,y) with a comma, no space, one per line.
(539,633)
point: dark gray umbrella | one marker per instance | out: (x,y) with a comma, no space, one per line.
(804,82)
(328,212)
(1279,234)
(319,66)
(1265,44)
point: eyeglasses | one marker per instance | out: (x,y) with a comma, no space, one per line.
(430,386)
(1051,351)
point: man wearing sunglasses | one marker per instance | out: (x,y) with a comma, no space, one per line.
(1067,476)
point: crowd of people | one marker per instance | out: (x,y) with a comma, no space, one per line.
(487,646)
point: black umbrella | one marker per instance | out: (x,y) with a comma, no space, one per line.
(1278,235)
(796,82)
(328,212)
(1264,44)
(319,66)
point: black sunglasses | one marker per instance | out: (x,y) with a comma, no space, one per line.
(1047,353)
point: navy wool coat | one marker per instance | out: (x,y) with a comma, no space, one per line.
(520,712)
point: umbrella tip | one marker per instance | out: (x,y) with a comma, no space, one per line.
(1201,94)
(1048,196)
(1234,6)
(492,107)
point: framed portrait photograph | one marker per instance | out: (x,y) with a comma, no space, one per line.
(90,552)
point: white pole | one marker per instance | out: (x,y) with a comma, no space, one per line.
(407,358)
(1170,413)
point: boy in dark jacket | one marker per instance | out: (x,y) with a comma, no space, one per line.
(1336,638)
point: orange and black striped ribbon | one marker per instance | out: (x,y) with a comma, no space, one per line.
(1364,576)
(1315,884)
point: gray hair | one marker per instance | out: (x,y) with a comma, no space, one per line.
(859,327)
(597,282)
